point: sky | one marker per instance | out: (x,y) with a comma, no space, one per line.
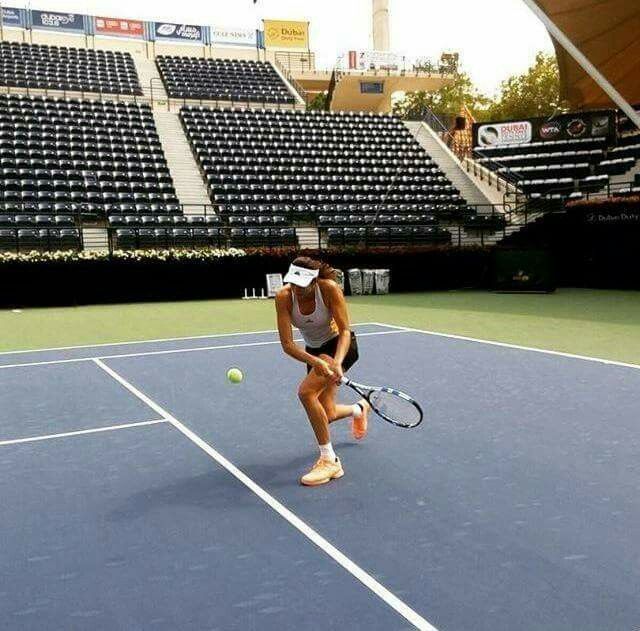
(495,38)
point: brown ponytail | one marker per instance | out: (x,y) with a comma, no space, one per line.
(326,272)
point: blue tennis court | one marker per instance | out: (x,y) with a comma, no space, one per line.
(140,490)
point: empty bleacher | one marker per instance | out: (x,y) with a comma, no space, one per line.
(193,231)
(25,232)
(69,156)
(564,168)
(347,166)
(36,66)
(558,167)
(223,80)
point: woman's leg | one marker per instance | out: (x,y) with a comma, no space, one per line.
(309,393)
(335,411)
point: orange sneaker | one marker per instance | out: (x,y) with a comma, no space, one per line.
(322,472)
(361,422)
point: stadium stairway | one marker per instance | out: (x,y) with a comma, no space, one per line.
(494,186)
(295,89)
(148,71)
(625,178)
(449,164)
(187,179)
(308,237)
(95,239)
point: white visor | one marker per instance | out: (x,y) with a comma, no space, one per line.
(301,276)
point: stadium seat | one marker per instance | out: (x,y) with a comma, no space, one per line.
(69,69)
(111,145)
(223,80)
(339,169)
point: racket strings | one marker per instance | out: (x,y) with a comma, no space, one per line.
(395,408)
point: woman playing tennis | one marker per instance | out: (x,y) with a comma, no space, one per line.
(314,303)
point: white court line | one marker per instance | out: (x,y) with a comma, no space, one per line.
(355,570)
(166,339)
(173,351)
(532,349)
(33,439)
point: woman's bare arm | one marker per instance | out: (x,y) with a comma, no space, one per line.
(338,306)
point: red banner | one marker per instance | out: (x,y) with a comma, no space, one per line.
(119,27)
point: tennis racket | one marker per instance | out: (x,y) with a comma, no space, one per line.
(389,404)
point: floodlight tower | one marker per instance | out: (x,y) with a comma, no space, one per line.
(381,24)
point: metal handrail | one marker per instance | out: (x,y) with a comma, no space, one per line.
(433,120)
(289,77)
(548,203)
(512,178)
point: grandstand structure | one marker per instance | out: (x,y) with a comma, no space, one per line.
(126,143)
(109,141)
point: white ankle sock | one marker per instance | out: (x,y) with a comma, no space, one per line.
(357,409)
(327,453)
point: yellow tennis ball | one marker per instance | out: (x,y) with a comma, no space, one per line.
(234,375)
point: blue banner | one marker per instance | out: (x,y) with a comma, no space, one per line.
(178,32)
(53,20)
(13,17)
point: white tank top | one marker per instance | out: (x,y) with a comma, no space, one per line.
(318,327)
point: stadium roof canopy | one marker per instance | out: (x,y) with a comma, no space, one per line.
(607,32)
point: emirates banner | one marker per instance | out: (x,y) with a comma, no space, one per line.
(119,27)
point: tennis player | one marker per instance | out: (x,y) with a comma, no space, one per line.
(314,303)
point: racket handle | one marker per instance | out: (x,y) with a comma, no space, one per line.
(344,381)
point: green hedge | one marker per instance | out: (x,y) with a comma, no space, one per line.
(188,275)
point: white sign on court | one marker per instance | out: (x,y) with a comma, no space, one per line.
(274,284)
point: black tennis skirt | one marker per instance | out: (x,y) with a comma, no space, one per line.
(330,348)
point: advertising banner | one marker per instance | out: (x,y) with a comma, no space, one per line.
(600,124)
(13,17)
(52,20)
(118,27)
(373,60)
(286,34)
(247,37)
(517,132)
(178,32)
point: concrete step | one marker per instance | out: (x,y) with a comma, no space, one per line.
(448,162)
(625,178)
(95,239)
(149,76)
(184,170)
(308,237)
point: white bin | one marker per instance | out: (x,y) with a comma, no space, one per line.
(383,277)
(368,277)
(355,281)
(340,278)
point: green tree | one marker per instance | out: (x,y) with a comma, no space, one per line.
(319,102)
(445,102)
(533,93)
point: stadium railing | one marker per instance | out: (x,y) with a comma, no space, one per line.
(500,176)
(436,123)
(472,225)
(82,94)
(296,62)
(294,83)
(157,98)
